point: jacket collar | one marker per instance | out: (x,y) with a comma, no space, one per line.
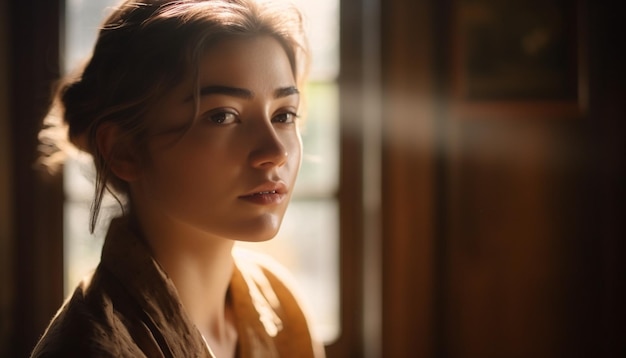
(127,256)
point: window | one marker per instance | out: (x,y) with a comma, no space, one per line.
(309,238)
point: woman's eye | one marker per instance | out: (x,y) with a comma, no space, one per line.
(222,117)
(287,117)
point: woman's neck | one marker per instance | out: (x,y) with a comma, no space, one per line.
(201,268)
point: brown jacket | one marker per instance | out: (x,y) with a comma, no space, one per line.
(130,308)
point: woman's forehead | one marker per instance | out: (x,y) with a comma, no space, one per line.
(253,63)
(237,67)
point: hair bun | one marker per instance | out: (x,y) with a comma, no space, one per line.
(79,105)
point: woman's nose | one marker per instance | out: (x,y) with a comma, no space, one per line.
(269,150)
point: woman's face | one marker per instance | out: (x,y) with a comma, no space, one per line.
(232,174)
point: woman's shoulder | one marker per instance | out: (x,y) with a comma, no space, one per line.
(87,325)
(267,277)
(264,270)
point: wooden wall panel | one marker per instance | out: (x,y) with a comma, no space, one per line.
(501,235)
(408,188)
(506,263)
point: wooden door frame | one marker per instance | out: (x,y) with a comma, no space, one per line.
(37,202)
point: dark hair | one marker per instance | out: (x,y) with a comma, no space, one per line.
(143,49)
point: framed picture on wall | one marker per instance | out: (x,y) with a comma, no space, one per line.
(517,55)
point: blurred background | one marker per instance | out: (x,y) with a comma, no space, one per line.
(462,194)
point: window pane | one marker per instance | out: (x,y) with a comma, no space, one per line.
(322,27)
(81,248)
(83,17)
(319,174)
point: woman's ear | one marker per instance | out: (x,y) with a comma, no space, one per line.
(118,151)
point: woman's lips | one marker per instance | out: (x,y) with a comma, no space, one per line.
(267,194)
(264,197)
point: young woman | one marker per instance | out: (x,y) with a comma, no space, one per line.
(190,111)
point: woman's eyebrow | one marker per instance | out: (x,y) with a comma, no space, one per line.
(227,90)
(244,93)
(285,91)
